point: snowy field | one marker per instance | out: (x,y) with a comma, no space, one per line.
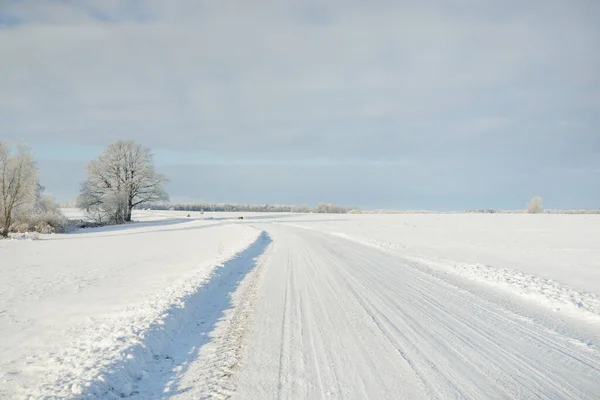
(74,307)
(305,306)
(554,259)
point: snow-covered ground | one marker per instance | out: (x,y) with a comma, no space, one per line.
(75,307)
(552,259)
(305,306)
(339,319)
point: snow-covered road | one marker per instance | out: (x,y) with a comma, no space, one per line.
(337,319)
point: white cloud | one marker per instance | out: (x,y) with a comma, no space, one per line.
(466,83)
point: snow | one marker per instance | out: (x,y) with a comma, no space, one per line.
(553,257)
(549,293)
(305,306)
(73,306)
(338,319)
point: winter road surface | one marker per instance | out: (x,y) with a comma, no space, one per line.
(305,307)
(337,319)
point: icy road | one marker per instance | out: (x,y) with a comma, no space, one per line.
(341,320)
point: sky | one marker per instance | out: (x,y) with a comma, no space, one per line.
(379,104)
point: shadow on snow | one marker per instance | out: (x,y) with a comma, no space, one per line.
(153,367)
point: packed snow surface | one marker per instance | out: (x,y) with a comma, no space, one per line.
(305,306)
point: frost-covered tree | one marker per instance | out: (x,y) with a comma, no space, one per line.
(535,205)
(120,179)
(18,183)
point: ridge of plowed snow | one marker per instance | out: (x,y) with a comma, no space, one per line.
(541,290)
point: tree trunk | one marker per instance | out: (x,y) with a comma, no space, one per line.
(6,226)
(128,211)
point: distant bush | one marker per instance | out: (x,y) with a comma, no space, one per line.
(572,211)
(535,205)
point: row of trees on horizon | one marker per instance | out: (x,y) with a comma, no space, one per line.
(226,207)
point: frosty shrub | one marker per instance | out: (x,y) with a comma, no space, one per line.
(44,227)
(535,205)
(19,227)
(43,216)
(42,222)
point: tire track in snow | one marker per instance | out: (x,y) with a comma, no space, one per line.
(546,378)
(283,326)
(347,363)
(546,373)
(310,309)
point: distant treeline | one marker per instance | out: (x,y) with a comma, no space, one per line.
(492,211)
(211,207)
